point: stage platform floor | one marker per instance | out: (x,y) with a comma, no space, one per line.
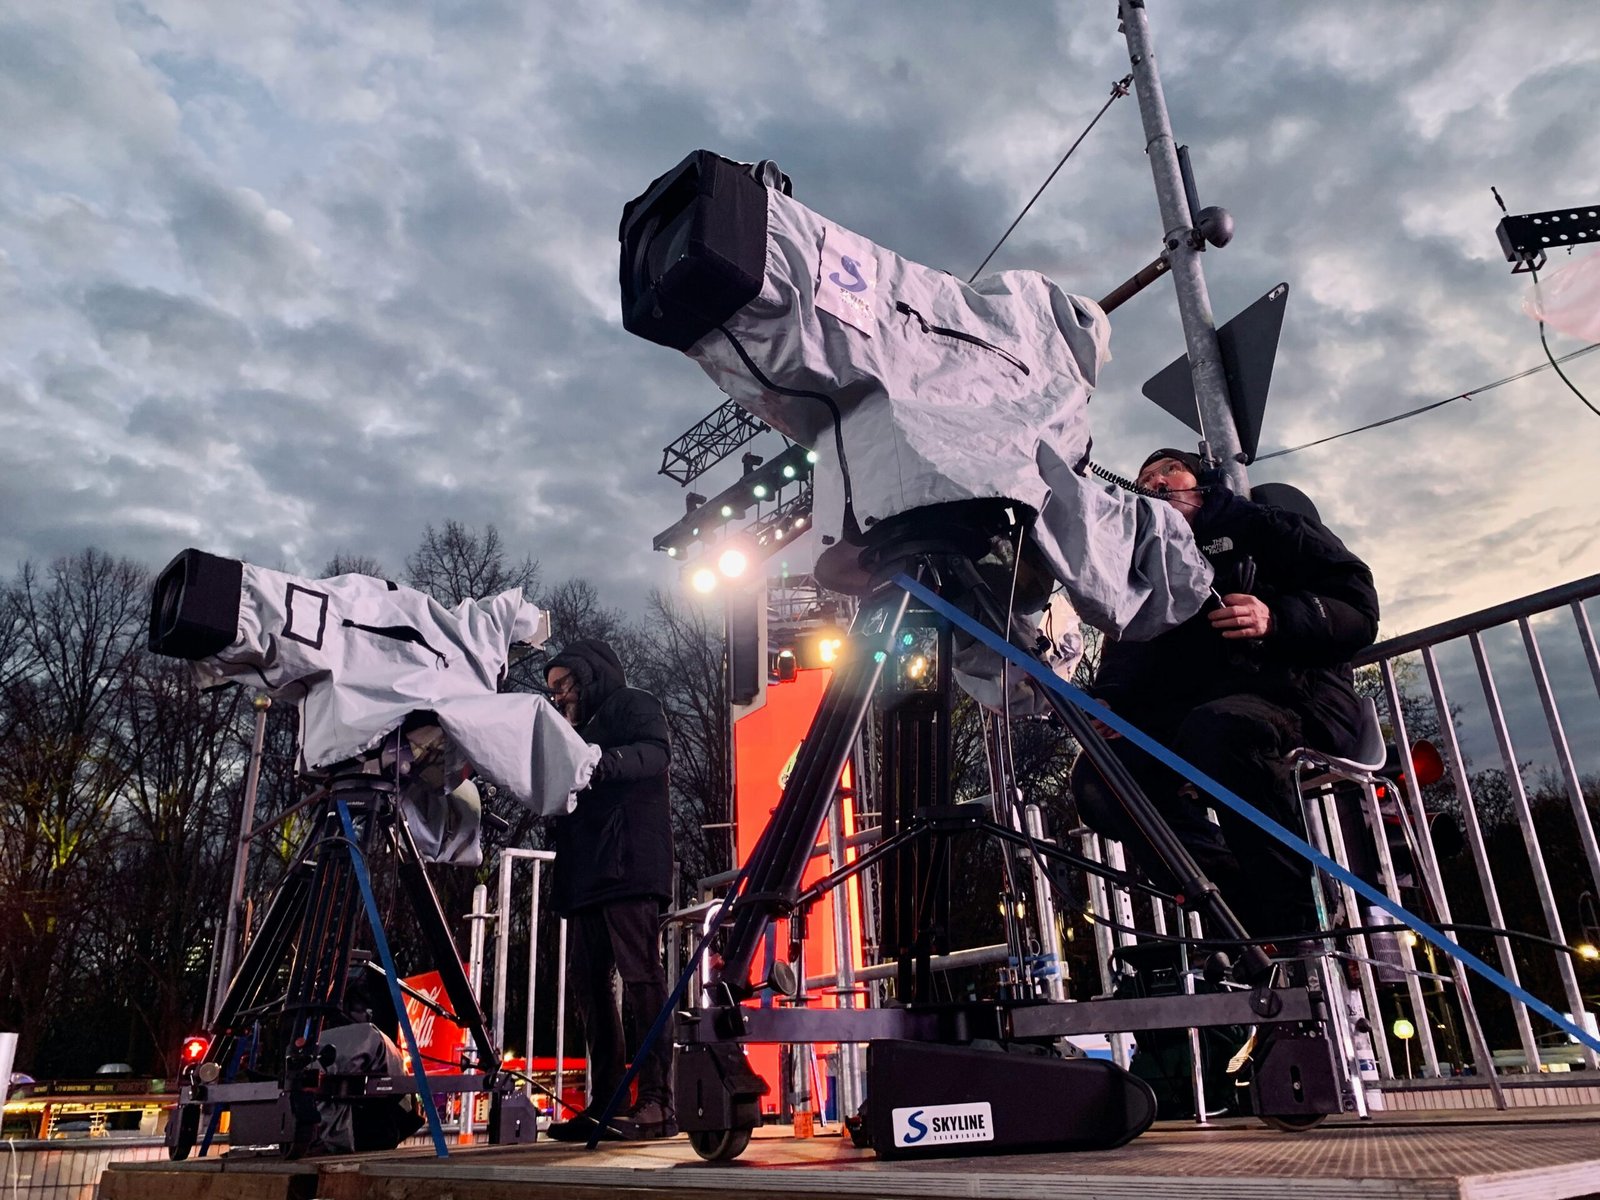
(1550,1153)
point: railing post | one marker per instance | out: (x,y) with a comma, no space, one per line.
(1530,837)
(1558,736)
(1480,859)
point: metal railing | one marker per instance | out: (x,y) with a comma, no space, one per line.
(1391,660)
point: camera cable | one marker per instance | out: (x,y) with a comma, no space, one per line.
(852,530)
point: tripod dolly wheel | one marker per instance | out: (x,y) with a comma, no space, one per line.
(719,1145)
(1298,1123)
(183,1130)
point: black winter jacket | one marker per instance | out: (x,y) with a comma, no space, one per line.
(1324,611)
(616,844)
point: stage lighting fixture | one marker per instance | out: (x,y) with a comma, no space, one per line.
(785,666)
(751,462)
(759,491)
(916,666)
(692,501)
(703,580)
(788,472)
(672,552)
(829,648)
(732,563)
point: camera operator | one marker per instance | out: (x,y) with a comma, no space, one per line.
(1262,670)
(613,872)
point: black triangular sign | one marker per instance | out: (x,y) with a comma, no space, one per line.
(1249,347)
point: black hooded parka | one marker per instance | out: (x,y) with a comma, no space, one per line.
(616,844)
(1324,612)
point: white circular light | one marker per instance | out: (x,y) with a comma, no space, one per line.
(672,552)
(727,510)
(704,580)
(778,533)
(732,563)
(811,456)
(759,491)
(788,472)
(799,522)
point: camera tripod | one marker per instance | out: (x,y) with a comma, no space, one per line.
(265,1063)
(919,1050)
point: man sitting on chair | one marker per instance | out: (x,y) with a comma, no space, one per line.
(1263,670)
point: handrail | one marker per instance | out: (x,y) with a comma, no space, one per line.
(1500,614)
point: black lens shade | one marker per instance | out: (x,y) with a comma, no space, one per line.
(694,250)
(194,607)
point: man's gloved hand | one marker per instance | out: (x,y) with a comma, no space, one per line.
(608,766)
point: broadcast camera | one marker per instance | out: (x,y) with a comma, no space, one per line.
(919,393)
(363,656)
(397,695)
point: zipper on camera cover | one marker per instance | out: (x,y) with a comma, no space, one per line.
(900,306)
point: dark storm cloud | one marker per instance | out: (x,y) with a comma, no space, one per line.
(180,330)
(306,280)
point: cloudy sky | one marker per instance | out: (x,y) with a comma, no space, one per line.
(284,278)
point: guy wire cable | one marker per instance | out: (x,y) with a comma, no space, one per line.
(1469,394)
(1118,90)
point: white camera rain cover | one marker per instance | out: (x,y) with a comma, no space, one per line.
(360,655)
(950,391)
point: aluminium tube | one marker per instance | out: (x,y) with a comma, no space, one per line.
(1530,837)
(1194,303)
(241,851)
(1480,857)
(1558,737)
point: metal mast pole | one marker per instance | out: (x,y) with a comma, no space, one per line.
(1220,435)
(241,849)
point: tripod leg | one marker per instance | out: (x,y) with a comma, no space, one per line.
(382,942)
(1197,890)
(446,959)
(780,857)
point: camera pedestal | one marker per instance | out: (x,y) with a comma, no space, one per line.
(918,823)
(294,982)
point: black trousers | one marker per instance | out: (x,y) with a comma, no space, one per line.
(607,943)
(1242,742)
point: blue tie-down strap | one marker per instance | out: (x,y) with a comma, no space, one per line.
(1200,779)
(392,977)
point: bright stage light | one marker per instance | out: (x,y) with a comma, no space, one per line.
(732,563)
(759,491)
(704,581)
(917,667)
(788,472)
(828,649)
(672,552)
(727,510)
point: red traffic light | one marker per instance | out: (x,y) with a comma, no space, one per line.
(194,1050)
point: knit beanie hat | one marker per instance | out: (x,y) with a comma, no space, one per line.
(1186,457)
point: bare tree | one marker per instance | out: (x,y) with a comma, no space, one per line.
(184,753)
(75,635)
(346,562)
(457,563)
(681,660)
